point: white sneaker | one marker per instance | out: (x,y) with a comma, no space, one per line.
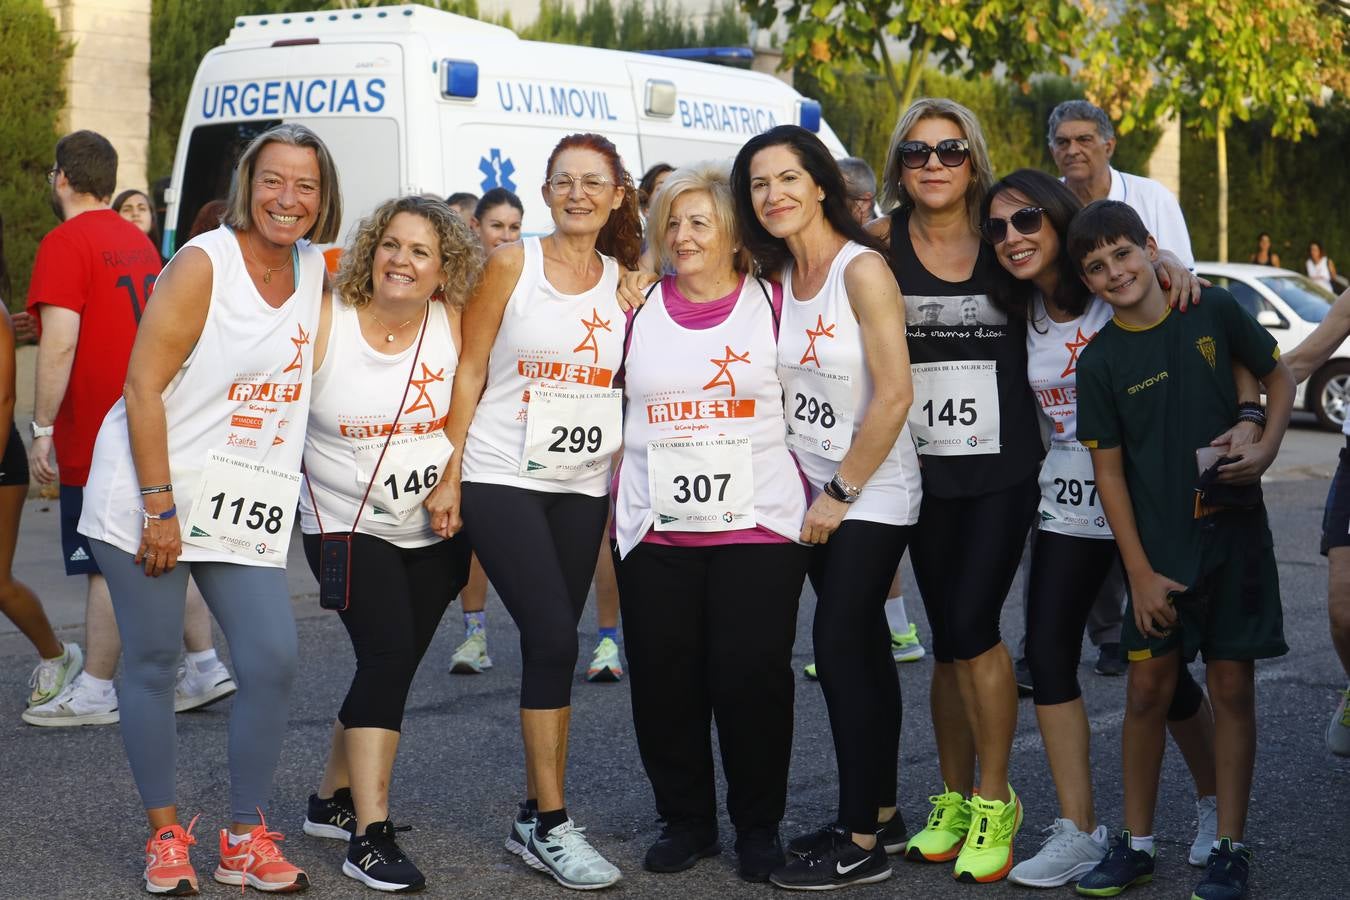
(1338,732)
(471,657)
(570,859)
(906,647)
(51,676)
(78,704)
(1066,855)
(518,838)
(1206,830)
(605,665)
(196,687)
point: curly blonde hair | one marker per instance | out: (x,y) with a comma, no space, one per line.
(461,254)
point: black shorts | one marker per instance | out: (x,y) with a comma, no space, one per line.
(14,465)
(1336,518)
(75,546)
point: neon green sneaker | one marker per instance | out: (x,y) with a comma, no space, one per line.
(987,855)
(941,839)
(809,670)
(905,646)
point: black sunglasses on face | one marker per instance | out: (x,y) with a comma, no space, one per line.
(951,153)
(1026,220)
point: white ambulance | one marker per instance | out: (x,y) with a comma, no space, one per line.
(411,99)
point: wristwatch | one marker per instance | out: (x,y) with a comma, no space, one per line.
(42,430)
(841,490)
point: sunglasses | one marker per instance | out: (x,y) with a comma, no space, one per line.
(951,153)
(1027,221)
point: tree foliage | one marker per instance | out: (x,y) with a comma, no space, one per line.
(635,25)
(1020,37)
(32,96)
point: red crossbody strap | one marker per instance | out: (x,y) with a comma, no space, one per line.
(393,429)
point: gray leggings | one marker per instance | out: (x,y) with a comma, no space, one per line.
(253,606)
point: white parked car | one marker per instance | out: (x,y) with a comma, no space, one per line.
(1290,305)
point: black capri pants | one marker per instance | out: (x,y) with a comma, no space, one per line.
(851,575)
(539,551)
(965,552)
(396,599)
(1066,574)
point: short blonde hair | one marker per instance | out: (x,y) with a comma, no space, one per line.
(712,177)
(239,203)
(461,254)
(893,194)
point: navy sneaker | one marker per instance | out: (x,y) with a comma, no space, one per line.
(759,852)
(1226,873)
(332,818)
(375,860)
(835,863)
(1121,868)
(681,845)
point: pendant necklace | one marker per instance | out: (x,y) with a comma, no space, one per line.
(267,275)
(389,333)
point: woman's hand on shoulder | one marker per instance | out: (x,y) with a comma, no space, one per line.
(1181,284)
(880,227)
(633,284)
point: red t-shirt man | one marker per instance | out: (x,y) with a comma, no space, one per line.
(103,267)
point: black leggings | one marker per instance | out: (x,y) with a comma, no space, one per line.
(965,552)
(538,550)
(708,633)
(397,598)
(1066,574)
(851,575)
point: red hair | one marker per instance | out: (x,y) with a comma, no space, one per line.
(621,236)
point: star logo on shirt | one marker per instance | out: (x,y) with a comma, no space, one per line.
(423,400)
(1075,347)
(821,330)
(589,342)
(300,341)
(723,376)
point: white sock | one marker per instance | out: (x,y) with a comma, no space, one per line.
(896,617)
(1237,845)
(1144,843)
(202,658)
(1099,835)
(101,685)
(237,839)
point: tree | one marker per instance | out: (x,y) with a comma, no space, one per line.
(1024,37)
(1215,62)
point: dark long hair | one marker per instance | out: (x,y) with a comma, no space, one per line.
(621,236)
(1060,205)
(772,253)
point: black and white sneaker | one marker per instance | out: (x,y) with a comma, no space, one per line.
(332,818)
(893,835)
(518,838)
(375,860)
(836,863)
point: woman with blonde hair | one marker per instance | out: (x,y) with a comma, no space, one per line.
(199,463)
(384,359)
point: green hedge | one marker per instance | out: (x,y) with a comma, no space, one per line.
(1296,191)
(31,98)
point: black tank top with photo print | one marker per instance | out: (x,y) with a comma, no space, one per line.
(951,320)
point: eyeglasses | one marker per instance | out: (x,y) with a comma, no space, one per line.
(951,153)
(1026,220)
(592,184)
(51,173)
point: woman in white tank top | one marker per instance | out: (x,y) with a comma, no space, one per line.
(198,470)
(845,369)
(707,510)
(384,359)
(534,418)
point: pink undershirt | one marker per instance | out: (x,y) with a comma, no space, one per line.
(699,316)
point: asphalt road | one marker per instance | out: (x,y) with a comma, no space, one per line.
(74,828)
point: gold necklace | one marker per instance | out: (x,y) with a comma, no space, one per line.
(267,275)
(389,332)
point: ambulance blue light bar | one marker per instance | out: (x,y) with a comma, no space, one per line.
(461,79)
(808,114)
(727,56)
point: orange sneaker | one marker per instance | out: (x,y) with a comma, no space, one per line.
(257,862)
(167,867)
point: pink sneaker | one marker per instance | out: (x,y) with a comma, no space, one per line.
(257,862)
(167,867)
